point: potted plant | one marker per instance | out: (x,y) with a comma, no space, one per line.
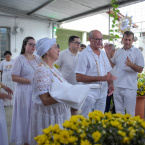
(140,100)
(98,129)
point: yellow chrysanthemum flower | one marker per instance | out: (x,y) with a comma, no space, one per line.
(47,130)
(85,142)
(121,133)
(115,123)
(56,128)
(72,139)
(64,136)
(83,135)
(96,136)
(66,124)
(143,124)
(56,137)
(126,140)
(132,133)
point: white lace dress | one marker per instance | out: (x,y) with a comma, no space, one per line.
(43,116)
(20,128)
(3,125)
(5,66)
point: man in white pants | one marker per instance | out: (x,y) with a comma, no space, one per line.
(94,67)
(129,62)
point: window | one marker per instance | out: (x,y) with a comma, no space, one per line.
(4,41)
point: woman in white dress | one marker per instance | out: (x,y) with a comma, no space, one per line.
(46,110)
(5,67)
(22,72)
(3,125)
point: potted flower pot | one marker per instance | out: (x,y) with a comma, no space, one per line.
(140,106)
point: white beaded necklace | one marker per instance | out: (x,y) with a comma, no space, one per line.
(46,66)
(97,63)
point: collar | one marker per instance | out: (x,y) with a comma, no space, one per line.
(130,49)
(70,52)
(90,49)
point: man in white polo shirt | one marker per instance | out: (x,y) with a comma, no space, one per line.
(94,67)
(68,59)
(129,62)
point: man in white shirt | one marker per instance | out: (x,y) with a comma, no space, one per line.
(68,59)
(129,62)
(94,67)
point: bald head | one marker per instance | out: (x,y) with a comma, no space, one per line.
(94,32)
(95,38)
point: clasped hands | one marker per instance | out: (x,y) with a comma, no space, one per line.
(9,91)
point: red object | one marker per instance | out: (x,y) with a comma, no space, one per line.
(140,107)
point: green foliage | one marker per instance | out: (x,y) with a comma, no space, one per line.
(115,16)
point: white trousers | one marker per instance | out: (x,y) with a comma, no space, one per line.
(95,104)
(125,98)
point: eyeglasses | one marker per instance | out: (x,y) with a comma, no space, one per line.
(78,43)
(97,39)
(31,44)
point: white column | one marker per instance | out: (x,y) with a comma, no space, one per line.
(84,37)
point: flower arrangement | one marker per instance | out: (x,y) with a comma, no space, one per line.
(98,129)
(141,84)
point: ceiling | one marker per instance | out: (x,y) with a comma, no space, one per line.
(56,10)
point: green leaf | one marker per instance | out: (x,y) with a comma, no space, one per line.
(110,39)
(116,6)
(117,36)
(113,21)
(117,11)
(111,34)
(113,26)
(115,18)
(111,30)
(111,15)
(116,30)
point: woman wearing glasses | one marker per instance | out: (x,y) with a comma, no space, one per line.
(5,67)
(22,72)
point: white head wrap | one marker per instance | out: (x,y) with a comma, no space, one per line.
(43,45)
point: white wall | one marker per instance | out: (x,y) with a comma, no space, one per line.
(34,28)
(99,22)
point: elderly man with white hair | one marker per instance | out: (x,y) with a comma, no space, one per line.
(94,68)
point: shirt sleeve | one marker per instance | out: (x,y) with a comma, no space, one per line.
(16,67)
(42,80)
(82,64)
(140,59)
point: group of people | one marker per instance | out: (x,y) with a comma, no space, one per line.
(34,107)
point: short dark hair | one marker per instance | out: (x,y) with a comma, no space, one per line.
(128,33)
(7,52)
(25,43)
(71,38)
(82,45)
